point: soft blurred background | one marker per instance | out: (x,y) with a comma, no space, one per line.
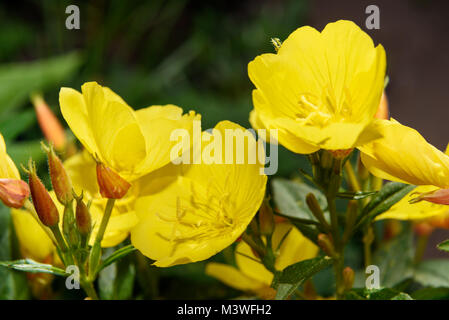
(195,54)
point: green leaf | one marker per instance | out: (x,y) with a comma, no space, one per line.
(15,123)
(22,151)
(431,294)
(293,276)
(444,246)
(18,80)
(433,273)
(290,198)
(395,259)
(390,193)
(116,281)
(120,253)
(355,195)
(29,265)
(13,285)
(376,294)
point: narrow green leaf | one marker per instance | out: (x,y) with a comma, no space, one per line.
(444,246)
(431,294)
(355,195)
(376,294)
(15,123)
(120,253)
(29,265)
(293,276)
(390,193)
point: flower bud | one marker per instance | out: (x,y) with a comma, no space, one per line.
(440,196)
(49,123)
(382,111)
(326,245)
(314,206)
(112,186)
(341,153)
(13,192)
(59,178)
(266,219)
(44,205)
(348,278)
(83,219)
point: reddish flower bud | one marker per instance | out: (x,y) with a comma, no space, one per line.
(326,244)
(83,219)
(348,278)
(112,186)
(440,196)
(44,205)
(62,185)
(341,153)
(266,219)
(13,192)
(423,229)
(382,111)
(49,123)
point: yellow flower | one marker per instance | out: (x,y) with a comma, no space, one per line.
(321,90)
(8,169)
(251,275)
(132,143)
(81,170)
(33,241)
(403,155)
(204,209)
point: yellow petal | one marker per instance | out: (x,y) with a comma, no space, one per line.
(8,169)
(251,267)
(404,155)
(232,277)
(34,242)
(403,210)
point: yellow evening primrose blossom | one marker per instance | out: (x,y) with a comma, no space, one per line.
(8,169)
(321,90)
(81,170)
(132,143)
(205,208)
(252,276)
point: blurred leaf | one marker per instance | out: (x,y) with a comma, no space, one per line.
(431,294)
(290,198)
(116,281)
(390,193)
(18,80)
(29,265)
(120,253)
(433,273)
(21,152)
(13,285)
(287,281)
(15,123)
(444,246)
(376,294)
(395,259)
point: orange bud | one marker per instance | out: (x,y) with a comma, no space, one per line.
(266,219)
(326,245)
(439,196)
(83,220)
(13,192)
(62,185)
(341,153)
(423,229)
(44,205)
(383,111)
(112,186)
(49,123)
(348,278)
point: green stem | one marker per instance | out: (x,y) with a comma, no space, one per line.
(95,254)
(90,289)
(421,247)
(66,257)
(352,178)
(368,239)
